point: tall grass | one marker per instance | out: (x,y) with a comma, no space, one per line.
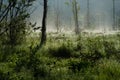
(63,58)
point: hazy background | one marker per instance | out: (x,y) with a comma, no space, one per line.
(101,14)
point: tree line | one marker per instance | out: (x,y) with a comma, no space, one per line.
(14,24)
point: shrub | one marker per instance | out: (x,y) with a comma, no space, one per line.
(78,65)
(63,51)
(91,49)
(110,48)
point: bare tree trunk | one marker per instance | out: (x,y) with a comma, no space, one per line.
(88,14)
(76,19)
(57,16)
(75,14)
(114,26)
(43,30)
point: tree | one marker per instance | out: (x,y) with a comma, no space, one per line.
(57,16)
(75,10)
(88,14)
(14,13)
(114,25)
(43,30)
(118,20)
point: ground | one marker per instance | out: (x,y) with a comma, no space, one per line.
(64,57)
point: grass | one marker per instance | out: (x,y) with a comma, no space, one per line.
(63,58)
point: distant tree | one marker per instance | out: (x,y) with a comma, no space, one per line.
(114,25)
(43,30)
(118,23)
(57,16)
(75,10)
(88,14)
(118,20)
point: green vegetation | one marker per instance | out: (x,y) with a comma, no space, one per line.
(62,58)
(85,55)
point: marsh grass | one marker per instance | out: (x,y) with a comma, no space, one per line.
(63,58)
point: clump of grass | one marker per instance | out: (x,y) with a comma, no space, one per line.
(78,65)
(108,69)
(62,51)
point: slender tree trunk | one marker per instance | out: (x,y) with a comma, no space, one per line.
(88,14)
(12,28)
(114,26)
(43,30)
(76,19)
(75,14)
(57,16)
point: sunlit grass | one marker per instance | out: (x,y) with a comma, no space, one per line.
(63,57)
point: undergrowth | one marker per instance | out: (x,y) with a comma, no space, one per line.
(63,58)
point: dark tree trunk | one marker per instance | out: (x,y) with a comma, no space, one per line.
(43,30)
(76,19)
(12,28)
(12,36)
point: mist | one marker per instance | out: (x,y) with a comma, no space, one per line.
(100,14)
(59,40)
